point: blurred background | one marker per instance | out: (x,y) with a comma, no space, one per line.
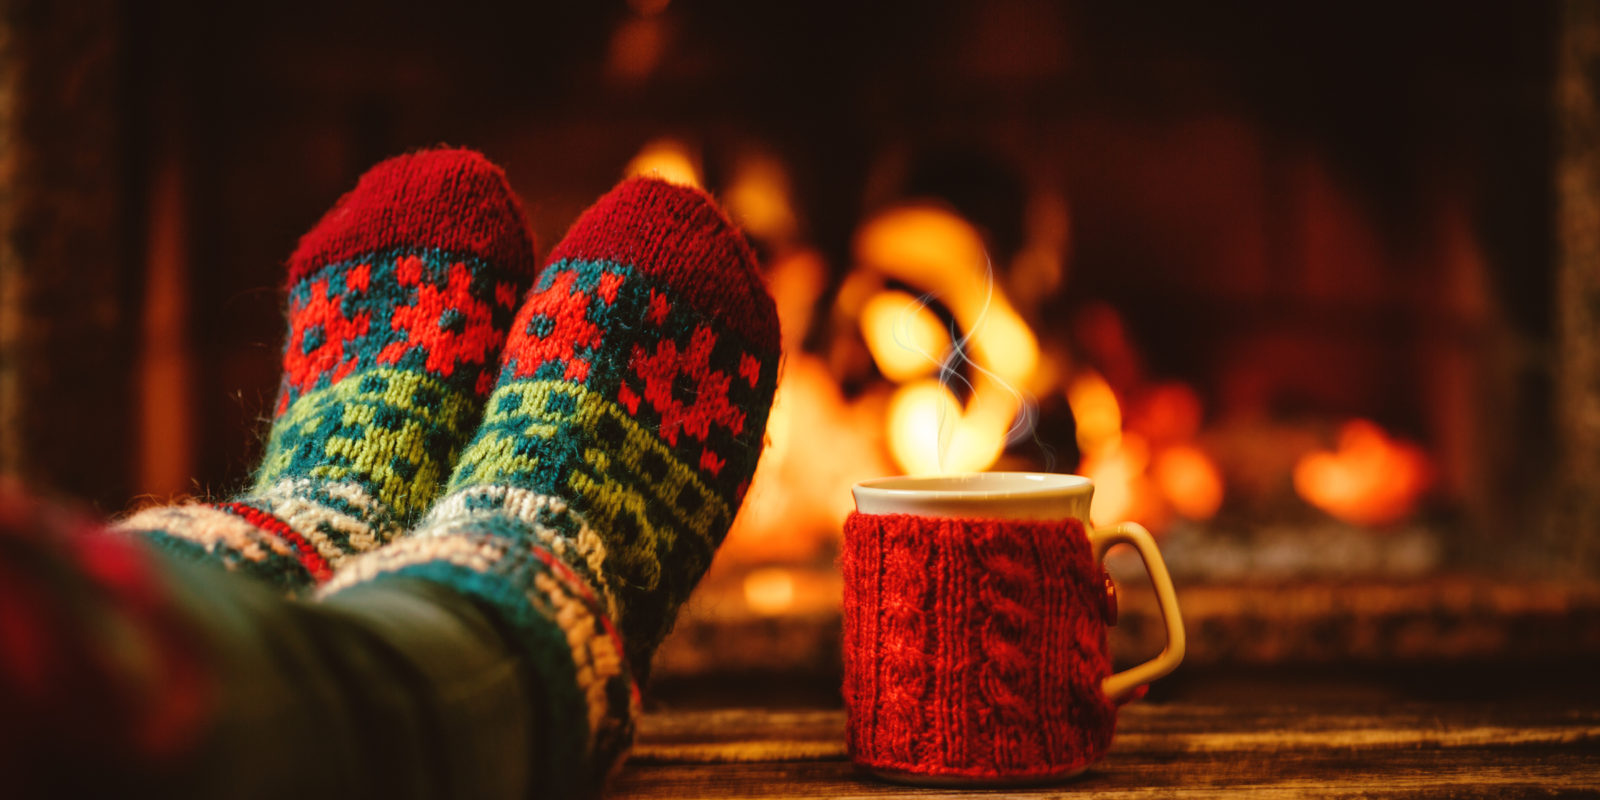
(1311,292)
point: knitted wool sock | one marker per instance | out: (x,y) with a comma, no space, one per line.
(613,454)
(399,302)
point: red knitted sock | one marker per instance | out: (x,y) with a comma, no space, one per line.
(612,457)
(399,302)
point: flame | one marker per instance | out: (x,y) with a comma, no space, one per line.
(931,248)
(1003,343)
(758,198)
(930,433)
(819,445)
(670,160)
(934,249)
(929,429)
(1121,489)
(769,590)
(1152,469)
(796,279)
(1189,480)
(1095,408)
(906,339)
(1370,480)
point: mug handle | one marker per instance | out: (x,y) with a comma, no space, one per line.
(1120,684)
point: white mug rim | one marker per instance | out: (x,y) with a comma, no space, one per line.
(978,485)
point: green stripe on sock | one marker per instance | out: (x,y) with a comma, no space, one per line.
(376,427)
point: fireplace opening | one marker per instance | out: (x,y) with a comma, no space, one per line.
(1282,280)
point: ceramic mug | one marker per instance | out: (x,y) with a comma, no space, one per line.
(975,618)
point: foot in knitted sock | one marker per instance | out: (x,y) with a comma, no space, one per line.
(399,303)
(613,454)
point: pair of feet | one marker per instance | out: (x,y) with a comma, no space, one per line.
(569,457)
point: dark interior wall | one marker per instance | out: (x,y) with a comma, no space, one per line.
(1176,131)
(66,332)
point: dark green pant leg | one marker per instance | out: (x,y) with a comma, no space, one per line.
(400,689)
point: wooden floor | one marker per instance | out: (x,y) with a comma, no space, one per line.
(1337,744)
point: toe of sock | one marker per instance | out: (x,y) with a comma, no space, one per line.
(450,199)
(677,235)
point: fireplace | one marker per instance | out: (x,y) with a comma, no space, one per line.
(1284,281)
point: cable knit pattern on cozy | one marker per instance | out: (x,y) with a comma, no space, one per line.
(974,648)
(399,302)
(613,453)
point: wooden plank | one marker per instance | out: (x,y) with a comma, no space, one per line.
(736,735)
(1185,750)
(1380,775)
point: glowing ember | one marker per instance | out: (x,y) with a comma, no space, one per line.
(769,590)
(1370,480)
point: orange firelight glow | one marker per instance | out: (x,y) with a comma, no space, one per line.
(929,429)
(1094,406)
(1189,480)
(906,339)
(668,159)
(1149,469)
(819,445)
(1370,480)
(769,591)
(758,197)
(930,432)
(1122,491)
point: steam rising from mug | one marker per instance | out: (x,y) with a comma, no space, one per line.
(989,391)
(929,429)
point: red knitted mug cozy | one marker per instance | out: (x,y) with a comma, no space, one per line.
(974,648)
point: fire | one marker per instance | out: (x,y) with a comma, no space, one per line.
(819,445)
(1122,491)
(930,432)
(1189,480)
(954,376)
(1370,480)
(929,429)
(905,337)
(758,197)
(1095,408)
(1150,469)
